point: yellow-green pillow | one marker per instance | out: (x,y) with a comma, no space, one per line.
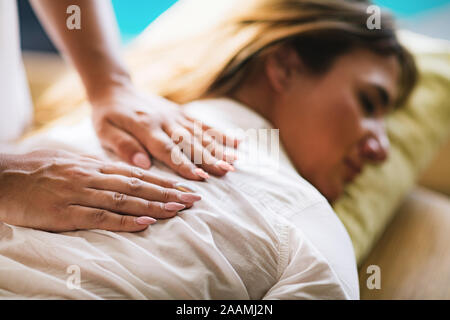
(416,132)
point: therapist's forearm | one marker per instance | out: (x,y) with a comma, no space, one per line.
(94,50)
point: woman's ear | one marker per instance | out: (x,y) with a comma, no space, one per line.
(282,64)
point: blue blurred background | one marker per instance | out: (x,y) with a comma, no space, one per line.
(408,8)
(431,17)
(133,16)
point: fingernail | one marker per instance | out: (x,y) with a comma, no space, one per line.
(145,220)
(225,166)
(186,197)
(141,160)
(173,206)
(201,173)
(184,187)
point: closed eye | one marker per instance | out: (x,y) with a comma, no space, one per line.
(367,105)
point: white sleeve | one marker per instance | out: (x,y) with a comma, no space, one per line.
(307,274)
(321,226)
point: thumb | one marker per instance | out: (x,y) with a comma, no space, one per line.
(126,147)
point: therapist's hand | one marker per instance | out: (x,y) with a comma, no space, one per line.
(134,126)
(131,125)
(60,191)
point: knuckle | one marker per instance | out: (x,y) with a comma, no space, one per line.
(165,194)
(172,195)
(123,221)
(177,157)
(137,173)
(155,207)
(55,162)
(105,168)
(54,166)
(78,173)
(99,217)
(119,199)
(134,184)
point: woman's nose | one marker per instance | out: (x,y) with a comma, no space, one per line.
(376,146)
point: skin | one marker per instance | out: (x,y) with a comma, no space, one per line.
(60,191)
(331,124)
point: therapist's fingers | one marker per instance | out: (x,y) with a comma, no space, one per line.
(138,188)
(133,172)
(127,205)
(165,150)
(220,137)
(85,218)
(144,175)
(209,142)
(196,152)
(219,151)
(125,146)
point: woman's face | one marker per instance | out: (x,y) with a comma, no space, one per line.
(333,124)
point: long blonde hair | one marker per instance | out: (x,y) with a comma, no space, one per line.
(213,61)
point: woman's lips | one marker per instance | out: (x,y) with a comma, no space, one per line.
(354,169)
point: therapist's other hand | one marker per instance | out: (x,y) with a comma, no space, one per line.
(60,191)
(134,126)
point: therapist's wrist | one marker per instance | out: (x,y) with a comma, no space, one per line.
(103,88)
